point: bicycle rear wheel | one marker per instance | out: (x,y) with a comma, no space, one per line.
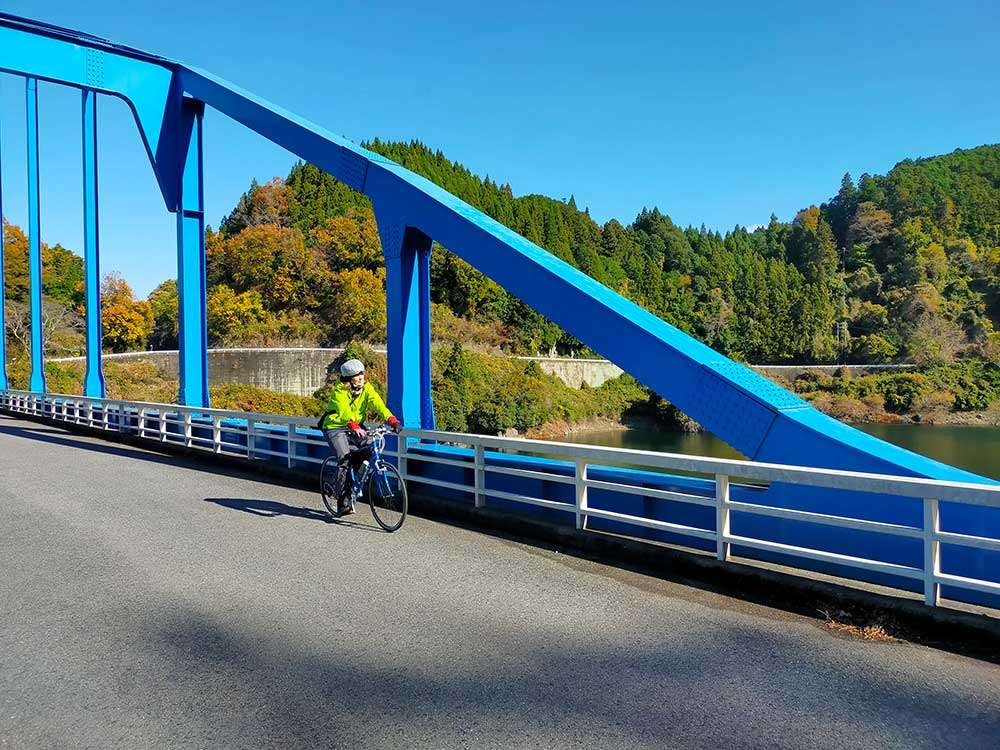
(385,493)
(328,484)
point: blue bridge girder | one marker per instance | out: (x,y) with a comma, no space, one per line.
(760,419)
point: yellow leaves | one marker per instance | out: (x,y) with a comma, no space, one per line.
(869,225)
(125,322)
(350,241)
(991,349)
(15,263)
(922,301)
(251,256)
(808,218)
(933,260)
(358,306)
(282,289)
(270,202)
(231,314)
(273,260)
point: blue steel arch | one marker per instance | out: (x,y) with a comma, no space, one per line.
(758,418)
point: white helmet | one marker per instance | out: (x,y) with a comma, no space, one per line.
(351,367)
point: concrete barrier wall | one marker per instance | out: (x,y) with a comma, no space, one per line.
(297,371)
(303,371)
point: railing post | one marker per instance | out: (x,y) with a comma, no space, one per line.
(216,433)
(251,439)
(722,547)
(187,429)
(163,425)
(401,444)
(932,552)
(479,476)
(291,446)
(581,493)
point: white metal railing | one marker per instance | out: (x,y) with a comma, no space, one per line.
(929,491)
(246,434)
(229,433)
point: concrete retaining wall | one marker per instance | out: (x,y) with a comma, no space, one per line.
(303,371)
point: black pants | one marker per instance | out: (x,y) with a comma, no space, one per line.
(350,452)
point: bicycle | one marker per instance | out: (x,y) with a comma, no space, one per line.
(379,482)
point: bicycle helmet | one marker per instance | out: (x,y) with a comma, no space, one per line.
(351,367)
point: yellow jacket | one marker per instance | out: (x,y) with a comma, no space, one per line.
(342,408)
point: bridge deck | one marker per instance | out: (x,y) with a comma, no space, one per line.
(148,603)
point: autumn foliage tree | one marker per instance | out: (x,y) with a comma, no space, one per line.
(358,306)
(126,322)
(163,306)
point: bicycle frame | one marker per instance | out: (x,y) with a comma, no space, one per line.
(373,462)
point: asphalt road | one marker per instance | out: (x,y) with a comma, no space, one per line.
(147,603)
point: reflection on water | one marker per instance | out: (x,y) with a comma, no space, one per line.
(972,448)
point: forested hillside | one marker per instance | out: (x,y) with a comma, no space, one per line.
(901,267)
(896,267)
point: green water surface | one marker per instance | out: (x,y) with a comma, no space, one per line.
(975,449)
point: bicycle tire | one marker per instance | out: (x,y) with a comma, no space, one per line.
(328,484)
(386,495)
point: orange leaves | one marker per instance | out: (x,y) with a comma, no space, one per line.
(126,323)
(349,241)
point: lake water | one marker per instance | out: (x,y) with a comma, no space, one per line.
(975,449)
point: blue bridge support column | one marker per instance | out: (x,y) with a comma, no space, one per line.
(37,380)
(427,420)
(4,384)
(192,333)
(407,257)
(93,381)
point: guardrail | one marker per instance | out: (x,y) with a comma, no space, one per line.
(244,435)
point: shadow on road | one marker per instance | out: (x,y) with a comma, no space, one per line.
(272,508)
(658,690)
(269,508)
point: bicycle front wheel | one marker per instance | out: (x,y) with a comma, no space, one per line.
(386,496)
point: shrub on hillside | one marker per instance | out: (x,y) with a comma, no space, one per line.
(900,389)
(242,397)
(934,403)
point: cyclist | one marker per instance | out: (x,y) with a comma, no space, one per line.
(343,424)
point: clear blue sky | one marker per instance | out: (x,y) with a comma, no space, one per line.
(718,113)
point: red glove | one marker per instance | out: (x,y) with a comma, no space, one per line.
(394,423)
(358,430)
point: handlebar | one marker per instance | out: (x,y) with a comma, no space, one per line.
(377,434)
